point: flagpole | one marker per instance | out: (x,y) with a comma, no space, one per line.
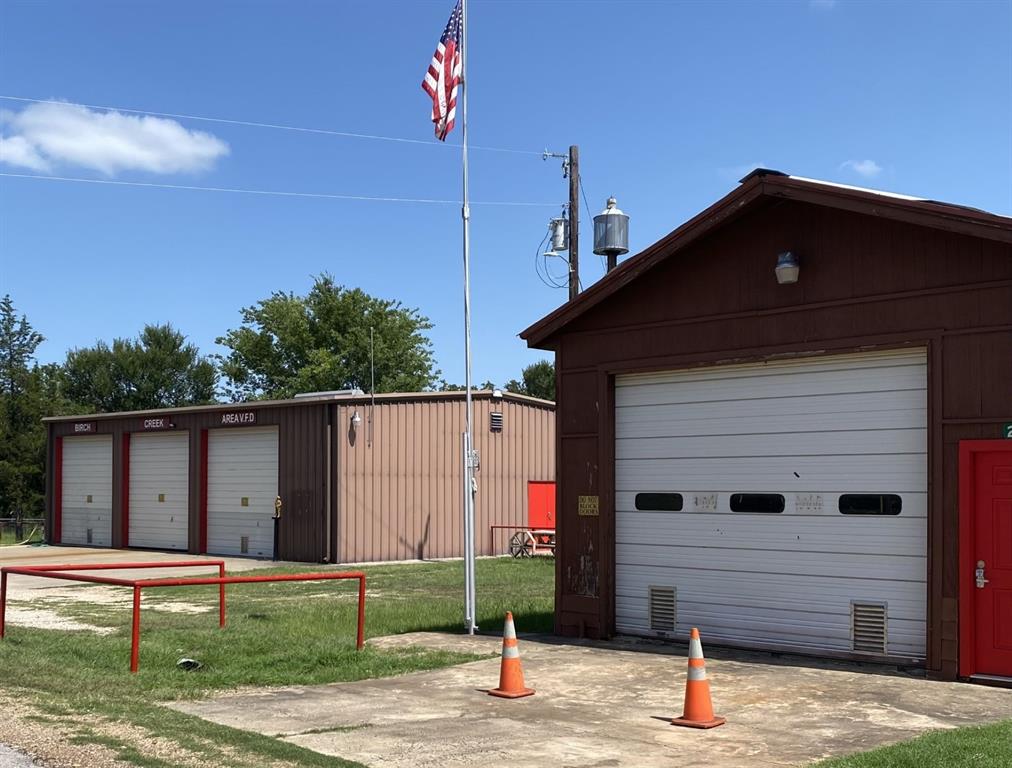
(470,486)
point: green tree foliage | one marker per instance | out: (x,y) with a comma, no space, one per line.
(445,386)
(289,344)
(538,381)
(157,370)
(28,392)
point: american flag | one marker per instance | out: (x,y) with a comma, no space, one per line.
(443,77)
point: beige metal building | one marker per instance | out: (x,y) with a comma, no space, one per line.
(399,495)
(359,478)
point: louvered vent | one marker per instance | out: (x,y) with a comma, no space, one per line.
(495,421)
(662,609)
(868,627)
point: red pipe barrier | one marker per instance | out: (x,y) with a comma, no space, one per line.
(135,633)
(60,572)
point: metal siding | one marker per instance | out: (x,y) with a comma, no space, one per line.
(401,497)
(241,463)
(785,579)
(716,302)
(159,465)
(87,470)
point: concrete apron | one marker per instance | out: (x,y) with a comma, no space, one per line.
(599,705)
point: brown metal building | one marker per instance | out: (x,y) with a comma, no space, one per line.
(817,465)
(359,479)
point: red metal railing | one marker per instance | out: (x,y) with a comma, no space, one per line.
(65,572)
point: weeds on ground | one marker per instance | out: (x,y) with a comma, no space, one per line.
(293,633)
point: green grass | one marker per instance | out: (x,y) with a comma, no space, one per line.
(277,634)
(7,538)
(986,746)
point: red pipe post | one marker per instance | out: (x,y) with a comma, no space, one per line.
(135,635)
(3,602)
(360,640)
(221,596)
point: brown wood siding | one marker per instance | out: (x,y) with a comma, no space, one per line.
(301,470)
(400,497)
(865,282)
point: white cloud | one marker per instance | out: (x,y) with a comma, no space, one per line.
(867,168)
(43,136)
(17,150)
(822,5)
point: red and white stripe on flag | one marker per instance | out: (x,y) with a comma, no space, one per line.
(443,77)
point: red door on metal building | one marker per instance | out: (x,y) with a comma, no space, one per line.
(987,559)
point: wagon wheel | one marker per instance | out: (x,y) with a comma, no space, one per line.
(520,544)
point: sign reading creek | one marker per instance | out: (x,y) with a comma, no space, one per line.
(238,418)
(161,422)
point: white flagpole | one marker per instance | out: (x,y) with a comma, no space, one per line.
(470,486)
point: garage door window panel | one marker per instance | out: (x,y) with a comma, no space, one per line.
(758,503)
(870,504)
(659,502)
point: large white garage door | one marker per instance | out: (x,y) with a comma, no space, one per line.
(159,490)
(776,505)
(242,483)
(86,491)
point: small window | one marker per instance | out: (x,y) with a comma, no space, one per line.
(870,504)
(765,503)
(659,502)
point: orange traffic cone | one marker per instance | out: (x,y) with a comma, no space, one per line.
(511,675)
(698,712)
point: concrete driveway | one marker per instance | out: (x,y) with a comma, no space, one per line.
(605,705)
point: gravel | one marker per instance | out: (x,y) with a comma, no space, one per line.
(11,758)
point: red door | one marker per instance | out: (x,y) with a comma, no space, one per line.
(541,505)
(992,563)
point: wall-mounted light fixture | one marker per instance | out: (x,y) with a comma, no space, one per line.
(355,420)
(787,268)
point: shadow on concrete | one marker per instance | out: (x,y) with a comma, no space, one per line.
(723,653)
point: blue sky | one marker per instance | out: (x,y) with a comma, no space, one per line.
(670,103)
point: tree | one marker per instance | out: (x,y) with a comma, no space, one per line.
(538,381)
(157,370)
(289,344)
(445,386)
(28,392)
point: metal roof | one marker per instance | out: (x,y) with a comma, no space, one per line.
(364,399)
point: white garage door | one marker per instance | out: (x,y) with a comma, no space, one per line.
(159,499)
(776,505)
(242,483)
(86,491)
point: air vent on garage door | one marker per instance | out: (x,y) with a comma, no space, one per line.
(662,609)
(868,627)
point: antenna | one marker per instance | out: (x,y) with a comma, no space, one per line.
(372,384)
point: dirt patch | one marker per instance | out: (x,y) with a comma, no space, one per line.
(44,618)
(24,728)
(43,611)
(76,741)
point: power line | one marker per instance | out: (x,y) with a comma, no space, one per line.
(275,126)
(276,193)
(590,216)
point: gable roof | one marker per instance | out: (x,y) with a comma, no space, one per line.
(765,183)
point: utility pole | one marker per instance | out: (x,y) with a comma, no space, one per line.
(574,222)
